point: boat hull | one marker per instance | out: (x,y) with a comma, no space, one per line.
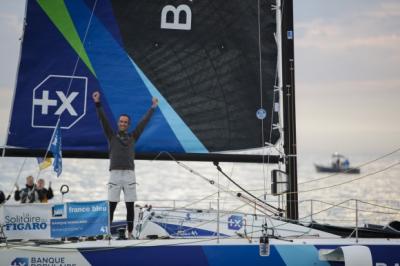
(200,252)
(327,169)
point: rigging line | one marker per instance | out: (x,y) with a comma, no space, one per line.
(261,101)
(380,206)
(253,220)
(365,202)
(248,203)
(319,201)
(260,54)
(261,85)
(315,200)
(360,210)
(292,132)
(227,189)
(324,210)
(350,181)
(17,179)
(336,205)
(270,131)
(212,182)
(227,185)
(73,74)
(357,166)
(171,200)
(336,221)
(266,168)
(235,195)
(196,201)
(258,206)
(244,190)
(276,84)
(287,221)
(222,198)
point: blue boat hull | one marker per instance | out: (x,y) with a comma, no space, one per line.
(229,255)
(200,252)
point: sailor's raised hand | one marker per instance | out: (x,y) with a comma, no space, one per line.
(96,96)
(154,102)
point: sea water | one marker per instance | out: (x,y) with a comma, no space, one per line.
(373,198)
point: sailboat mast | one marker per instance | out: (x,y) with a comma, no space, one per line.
(288,101)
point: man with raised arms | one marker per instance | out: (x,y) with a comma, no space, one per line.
(121,152)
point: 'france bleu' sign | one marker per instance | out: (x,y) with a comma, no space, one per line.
(45,221)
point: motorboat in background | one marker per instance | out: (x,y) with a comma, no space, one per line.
(340,164)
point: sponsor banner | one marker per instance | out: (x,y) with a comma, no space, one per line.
(41,257)
(45,221)
(81,219)
(27,221)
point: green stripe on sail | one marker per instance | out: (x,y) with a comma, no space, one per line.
(59,15)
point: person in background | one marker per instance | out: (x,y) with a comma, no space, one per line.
(346,164)
(43,193)
(27,194)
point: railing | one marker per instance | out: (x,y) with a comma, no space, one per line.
(350,212)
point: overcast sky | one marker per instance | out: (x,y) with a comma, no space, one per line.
(347,56)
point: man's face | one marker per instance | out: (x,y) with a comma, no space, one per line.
(29,180)
(123,123)
(40,183)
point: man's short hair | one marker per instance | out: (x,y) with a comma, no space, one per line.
(129,118)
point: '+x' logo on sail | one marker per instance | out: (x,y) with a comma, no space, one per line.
(45,102)
(59,97)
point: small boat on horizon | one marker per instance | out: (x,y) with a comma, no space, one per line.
(340,164)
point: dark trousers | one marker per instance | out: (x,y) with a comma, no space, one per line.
(130,213)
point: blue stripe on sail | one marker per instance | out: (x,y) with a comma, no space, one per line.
(300,255)
(121,85)
(185,136)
